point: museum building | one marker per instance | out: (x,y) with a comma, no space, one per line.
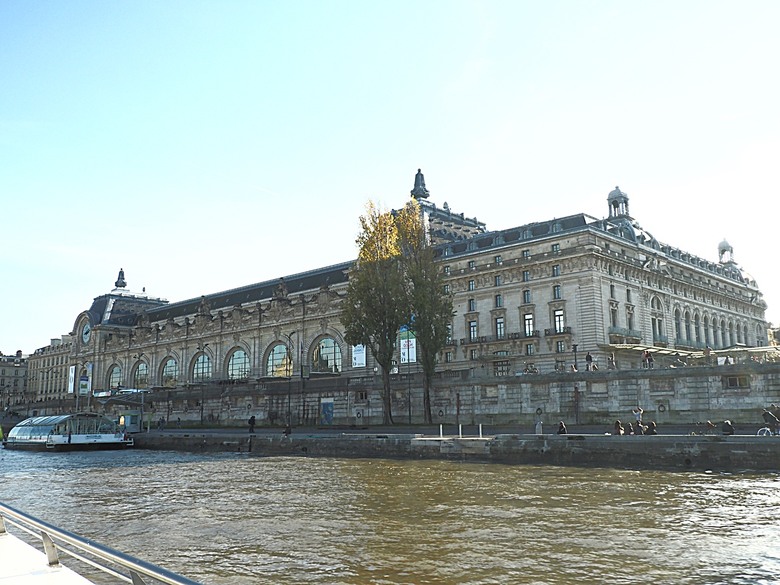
(535,298)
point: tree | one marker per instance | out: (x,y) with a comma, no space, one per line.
(376,305)
(431,306)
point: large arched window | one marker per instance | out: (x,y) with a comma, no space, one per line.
(238,365)
(326,357)
(141,375)
(677,325)
(201,369)
(687,326)
(114,377)
(279,362)
(657,318)
(170,373)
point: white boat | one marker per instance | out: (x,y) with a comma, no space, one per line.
(68,432)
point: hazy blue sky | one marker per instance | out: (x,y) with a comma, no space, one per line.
(207,145)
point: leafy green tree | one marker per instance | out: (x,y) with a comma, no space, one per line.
(431,306)
(376,305)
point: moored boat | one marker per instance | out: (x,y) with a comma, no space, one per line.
(81,431)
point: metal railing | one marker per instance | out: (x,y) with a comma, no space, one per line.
(122,567)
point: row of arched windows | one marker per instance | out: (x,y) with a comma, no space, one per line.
(325,359)
(713,332)
(702,331)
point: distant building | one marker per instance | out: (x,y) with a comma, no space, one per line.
(13,382)
(528,298)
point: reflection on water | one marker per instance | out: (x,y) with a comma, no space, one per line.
(231,518)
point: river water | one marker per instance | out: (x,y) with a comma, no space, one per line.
(238,519)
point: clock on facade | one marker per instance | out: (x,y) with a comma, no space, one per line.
(86,332)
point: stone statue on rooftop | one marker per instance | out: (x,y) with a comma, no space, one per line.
(419,191)
(120,281)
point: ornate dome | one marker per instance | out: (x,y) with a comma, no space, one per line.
(616,194)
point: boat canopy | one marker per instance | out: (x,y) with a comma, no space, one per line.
(81,423)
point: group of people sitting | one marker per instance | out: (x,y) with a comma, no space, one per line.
(635,428)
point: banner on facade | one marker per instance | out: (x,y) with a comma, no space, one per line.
(408,346)
(358,356)
(71,379)
(83,386)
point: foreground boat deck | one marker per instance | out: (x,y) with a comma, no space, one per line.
(23,564)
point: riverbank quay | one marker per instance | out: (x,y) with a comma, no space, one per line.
(681,451)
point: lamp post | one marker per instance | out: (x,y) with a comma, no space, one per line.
(201,347)
(289,372)
(409,389)
(574,349)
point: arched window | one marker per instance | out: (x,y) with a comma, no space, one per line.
(687,326)
(326,357)
(141,375)
(279,362)
(170,373)
(677,326)
(696,328)
(238,365)
(114,377)
(657,319)
(201,369)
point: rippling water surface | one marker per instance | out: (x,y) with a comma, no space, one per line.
(232,518)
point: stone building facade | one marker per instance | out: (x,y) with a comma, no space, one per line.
(534,299)
(14,389)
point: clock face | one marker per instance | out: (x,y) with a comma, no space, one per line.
(86,331)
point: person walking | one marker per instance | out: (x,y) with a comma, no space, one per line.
(252,424)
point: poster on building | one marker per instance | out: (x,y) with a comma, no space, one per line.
(408,346)
(358,356)
(326,411)
(71,379)
(83,385)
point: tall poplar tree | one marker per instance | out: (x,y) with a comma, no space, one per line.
(376,304)
(431,306)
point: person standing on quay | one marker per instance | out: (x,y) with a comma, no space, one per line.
(588,362)
(252,424)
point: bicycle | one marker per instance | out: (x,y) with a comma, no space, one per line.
(766,432)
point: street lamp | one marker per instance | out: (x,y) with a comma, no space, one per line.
(139,356)
(574,349)
(201,347)
(289,372)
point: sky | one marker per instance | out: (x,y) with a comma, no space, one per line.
(207,145)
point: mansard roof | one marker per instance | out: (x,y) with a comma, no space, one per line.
(121,308)
(294,285)
(512,235)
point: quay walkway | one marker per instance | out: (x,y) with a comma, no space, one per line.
(674,449)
